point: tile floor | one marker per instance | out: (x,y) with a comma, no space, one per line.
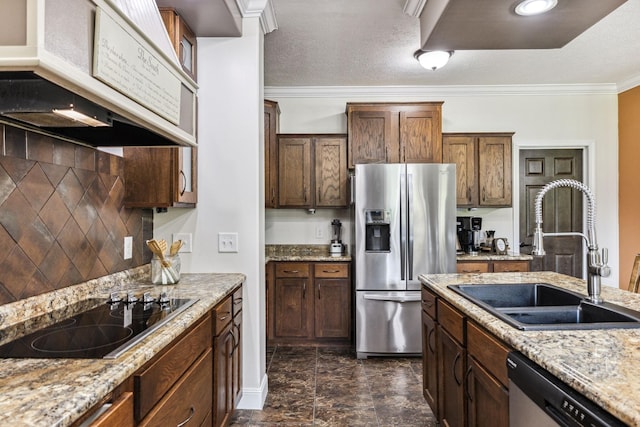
(311,386)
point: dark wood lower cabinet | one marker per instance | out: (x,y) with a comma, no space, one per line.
(487,399)
(293,307)
(430,362)
(453,359)
(332,318)
(223,346)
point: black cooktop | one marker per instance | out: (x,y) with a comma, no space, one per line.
(96,329)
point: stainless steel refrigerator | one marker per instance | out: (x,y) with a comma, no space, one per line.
(405,225)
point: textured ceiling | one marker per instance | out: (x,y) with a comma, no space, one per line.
(352,43)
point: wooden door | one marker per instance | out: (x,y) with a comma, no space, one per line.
(420,136)
(293,305)
(487,399)
(187,179)
(452,360)
(331,171)
(494,170)
(294,164)
(562,208)
(223,376)
(373,136)
(237,358)
(430,363)
(461,150)
(332,308)
(271,115)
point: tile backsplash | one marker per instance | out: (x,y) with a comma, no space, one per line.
(62,216)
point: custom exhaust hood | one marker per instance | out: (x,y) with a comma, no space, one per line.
(82,71)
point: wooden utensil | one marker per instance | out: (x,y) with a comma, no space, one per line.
(175,247)
(158,248)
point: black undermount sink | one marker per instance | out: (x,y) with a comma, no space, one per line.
(541,306)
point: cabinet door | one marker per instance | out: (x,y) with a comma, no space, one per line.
(331,172)
(420,136)
(461,150)
(293,306)
(430,362)
(494,170)
(294,163)
(186,188)
(373,136)
(332,308)
(271,123)
(452,359)
(237,359)
(487,399)
(223,377)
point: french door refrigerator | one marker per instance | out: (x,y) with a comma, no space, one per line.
(405,225)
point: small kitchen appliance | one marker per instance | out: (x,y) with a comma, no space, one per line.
(336,248)
(468,229)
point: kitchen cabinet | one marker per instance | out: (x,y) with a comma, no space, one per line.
(493,266)
(237,347)
(394,132)
(182,38)
(119,414)
(271,128)
(223,346)
(470,385)
(160,177)
(164,177)
(483,168)
(312,171)
(309,303)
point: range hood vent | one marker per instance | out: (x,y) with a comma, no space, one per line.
(34,103)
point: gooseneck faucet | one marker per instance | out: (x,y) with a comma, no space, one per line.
(596,262)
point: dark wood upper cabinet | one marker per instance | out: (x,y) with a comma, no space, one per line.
(312,171)
(394,132)
(483,168)
(271,126)
(182,38)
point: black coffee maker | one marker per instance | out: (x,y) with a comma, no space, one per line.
(468,229)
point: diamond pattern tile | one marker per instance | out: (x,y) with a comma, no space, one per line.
(62,216)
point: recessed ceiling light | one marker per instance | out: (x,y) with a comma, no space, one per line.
(433,59)
(535,7)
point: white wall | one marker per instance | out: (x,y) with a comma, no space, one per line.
(230,185)
(555,116)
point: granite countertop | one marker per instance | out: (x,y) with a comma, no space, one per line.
(488,256)
(305,253)
(603,365)
(55,392)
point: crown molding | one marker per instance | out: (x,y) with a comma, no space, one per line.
(268,19)
(414,7)
(629,84)
(432,92)
(262,9)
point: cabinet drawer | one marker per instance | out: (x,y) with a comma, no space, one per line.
(429,302)
(331,270)
(120,414)
(292,269)
(154,381)
(237,301)
(472,267)
(190,401)
(510,266)
(451,320)
(222,314)
(490,352)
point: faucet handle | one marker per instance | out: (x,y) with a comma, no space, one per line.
(605,256)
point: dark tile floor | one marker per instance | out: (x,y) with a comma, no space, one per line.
(311,386)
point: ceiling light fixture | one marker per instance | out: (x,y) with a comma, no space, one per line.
(433,59)
(535,7)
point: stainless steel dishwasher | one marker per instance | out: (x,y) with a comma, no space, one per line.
(537,398)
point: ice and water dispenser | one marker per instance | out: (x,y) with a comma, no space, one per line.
(377,230)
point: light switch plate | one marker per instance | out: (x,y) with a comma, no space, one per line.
(128,247)
(227,242)
(187,241)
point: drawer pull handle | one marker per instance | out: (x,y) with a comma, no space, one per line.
(192,412)
(471,271)
(428,303)
(331,271)
(224,316)
(291,271)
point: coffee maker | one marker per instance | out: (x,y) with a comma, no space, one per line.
(468,230)
(336,248)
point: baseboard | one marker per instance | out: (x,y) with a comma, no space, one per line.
(253,398)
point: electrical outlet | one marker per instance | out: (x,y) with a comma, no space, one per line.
(187,241)
(319,232)
(227,242)
(128,247)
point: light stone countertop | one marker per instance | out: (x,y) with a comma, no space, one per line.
(56,392)
(488,256)
(603,365)
(302,253)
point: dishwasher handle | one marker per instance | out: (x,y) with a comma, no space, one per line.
(394,298)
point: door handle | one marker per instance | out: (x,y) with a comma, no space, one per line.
(453,369)
(393,298)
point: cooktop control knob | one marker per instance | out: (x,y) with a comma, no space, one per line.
(164,299)
(146,297)
(131,298)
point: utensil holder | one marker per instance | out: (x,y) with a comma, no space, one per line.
(167,274)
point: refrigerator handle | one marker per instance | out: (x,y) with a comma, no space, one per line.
(409,225)
(403,229)
(352,182)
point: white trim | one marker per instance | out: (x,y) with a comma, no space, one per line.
(629,84)
(410,92)
(414,7)
(254,398)
(589,159)
(251,8)
(268,21)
